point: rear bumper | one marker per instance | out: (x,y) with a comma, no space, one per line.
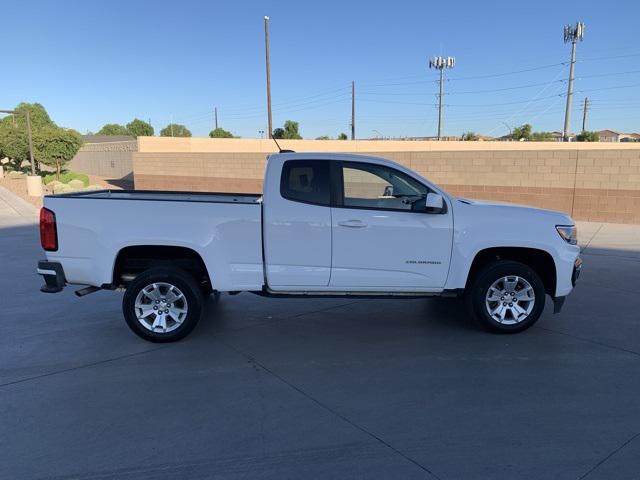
(53,275)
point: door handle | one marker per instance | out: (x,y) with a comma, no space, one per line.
(352,224)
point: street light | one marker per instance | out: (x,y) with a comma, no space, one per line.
(378,133)
(510,131)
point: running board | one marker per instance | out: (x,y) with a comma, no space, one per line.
(86,291)
(267,292)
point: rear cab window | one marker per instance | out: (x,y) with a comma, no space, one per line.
(306,181)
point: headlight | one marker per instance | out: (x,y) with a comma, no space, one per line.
(569,233)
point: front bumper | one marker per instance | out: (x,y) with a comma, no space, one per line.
(558,302)
(577,268)
(53,275)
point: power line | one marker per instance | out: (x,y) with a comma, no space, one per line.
(609,88)
(504,74)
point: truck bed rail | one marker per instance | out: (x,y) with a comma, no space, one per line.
(164,196)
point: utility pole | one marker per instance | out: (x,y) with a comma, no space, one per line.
(171,124)
(215,116)
(33,164)
(266,52)
(440,63)
(353,110)
(585,108)
(572,34)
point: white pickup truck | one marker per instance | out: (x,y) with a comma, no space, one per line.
(325,225)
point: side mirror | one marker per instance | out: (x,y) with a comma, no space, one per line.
(434,203)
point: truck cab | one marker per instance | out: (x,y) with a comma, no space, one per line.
(351,223)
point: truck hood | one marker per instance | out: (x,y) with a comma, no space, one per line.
(506,208)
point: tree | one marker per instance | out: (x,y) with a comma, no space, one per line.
(220,133)
(290,131)
(38,116)
(55,146)
(139,128)
(470,136)
(175,130)
(522,132)
(542,137)
(113,129)
(13,144)
(323,137)
(342,136)
(13,131)
(587,136)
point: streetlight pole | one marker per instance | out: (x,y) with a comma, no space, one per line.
(572,34)
(510,131)
(266,52)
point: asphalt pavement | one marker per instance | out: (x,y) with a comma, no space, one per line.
(329,388)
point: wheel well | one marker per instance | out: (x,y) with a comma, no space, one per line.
(539,261)
(133,260)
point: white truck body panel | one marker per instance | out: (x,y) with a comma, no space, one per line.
(481,225)
(91,232)
(282,245)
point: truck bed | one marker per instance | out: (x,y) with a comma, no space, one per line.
(157,195)
(223,228)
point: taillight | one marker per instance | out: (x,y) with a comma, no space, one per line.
(48,231)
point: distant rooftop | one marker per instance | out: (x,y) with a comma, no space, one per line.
(107,138)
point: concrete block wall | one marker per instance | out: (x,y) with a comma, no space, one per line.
(596,182)
(111,160)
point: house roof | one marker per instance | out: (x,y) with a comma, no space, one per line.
(603,133)
(107,138)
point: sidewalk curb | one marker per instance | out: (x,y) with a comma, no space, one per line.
(22,207)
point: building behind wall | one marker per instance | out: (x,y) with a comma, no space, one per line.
(107,156)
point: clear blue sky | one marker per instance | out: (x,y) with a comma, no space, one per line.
(91,63)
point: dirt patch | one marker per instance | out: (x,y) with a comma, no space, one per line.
(18,186)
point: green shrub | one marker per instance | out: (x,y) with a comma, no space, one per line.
(76,184)
(61,188)
(66,177)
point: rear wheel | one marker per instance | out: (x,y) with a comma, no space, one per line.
(162,304)
(507,297)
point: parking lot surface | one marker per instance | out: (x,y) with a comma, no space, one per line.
(331,388)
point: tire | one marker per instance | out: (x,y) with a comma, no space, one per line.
(172,292)
(506,297)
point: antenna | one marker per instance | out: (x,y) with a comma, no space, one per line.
(280,149)
(440,64)
(572,34)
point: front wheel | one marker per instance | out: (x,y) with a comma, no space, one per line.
(507,297)
(162,304)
